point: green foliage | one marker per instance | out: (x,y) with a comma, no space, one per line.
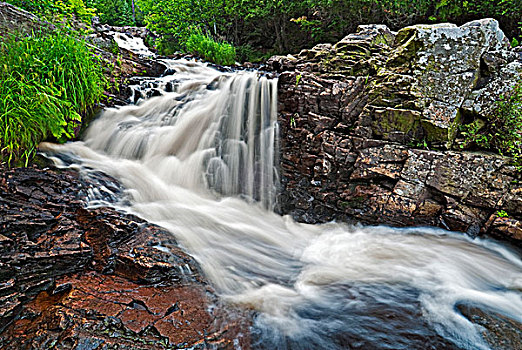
(211,50)
(342,16)
(502,214)
(297,79)
(176,20)
(46,82)
(57,10)
(117,12)
(246,53)
(279,26)
(293,124)
(503,131)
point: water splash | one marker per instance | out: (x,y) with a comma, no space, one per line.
(201,162)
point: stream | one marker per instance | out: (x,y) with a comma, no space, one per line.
(202,161)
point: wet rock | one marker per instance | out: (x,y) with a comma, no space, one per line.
(443,62)
(500,332)
(503,227)
(77,278)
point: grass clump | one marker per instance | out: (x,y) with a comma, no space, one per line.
(47,81)
(204,46)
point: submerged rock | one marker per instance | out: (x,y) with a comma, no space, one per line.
(500,332)
(77,278)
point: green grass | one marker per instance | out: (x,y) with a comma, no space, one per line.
(211,50)
(47,81)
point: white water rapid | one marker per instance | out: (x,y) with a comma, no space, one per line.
(202,162)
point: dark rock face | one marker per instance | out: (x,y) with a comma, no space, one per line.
(355,118)
(76,278)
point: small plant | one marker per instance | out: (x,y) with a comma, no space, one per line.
(502,214)
(292,120)
(114,48)
(211,50)
(423,144)
(297,79)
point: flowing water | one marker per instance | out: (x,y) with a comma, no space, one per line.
(132,43)
(202,162)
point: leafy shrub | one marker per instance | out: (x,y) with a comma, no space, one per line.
(503,131)
(46,82)
(211,50)
(502,214)
(175,20)
(246,53)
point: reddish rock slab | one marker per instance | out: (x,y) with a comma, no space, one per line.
(112,311)
(77,278)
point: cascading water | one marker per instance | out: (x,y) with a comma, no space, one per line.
(201,162)
(132,43)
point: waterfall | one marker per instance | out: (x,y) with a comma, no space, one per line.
(201,161)
(218,134)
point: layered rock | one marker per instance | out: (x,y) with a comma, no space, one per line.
(359,116)
(76,278)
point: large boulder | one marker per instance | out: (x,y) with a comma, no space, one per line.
(445,66)
(360,119)
(419,81)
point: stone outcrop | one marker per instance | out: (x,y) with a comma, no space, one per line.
(358,118)
(77,278)
(13,18)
